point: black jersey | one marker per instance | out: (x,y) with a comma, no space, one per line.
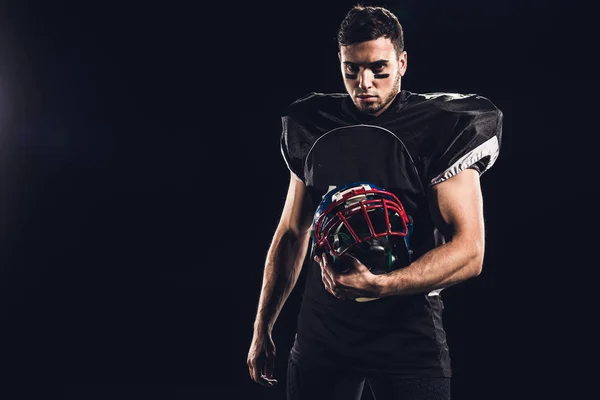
(419,141)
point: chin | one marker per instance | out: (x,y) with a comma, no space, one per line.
(371,109)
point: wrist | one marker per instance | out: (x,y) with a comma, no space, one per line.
(262,328)
(381,285)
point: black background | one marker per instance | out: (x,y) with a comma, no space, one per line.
(141,181)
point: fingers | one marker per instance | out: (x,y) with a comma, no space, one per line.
(328,278)
(325,276)
(261,370)
(253,369)
(267,375)
(261,374)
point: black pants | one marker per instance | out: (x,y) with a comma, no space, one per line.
(312,382)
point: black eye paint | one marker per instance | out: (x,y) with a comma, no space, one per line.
(376,76)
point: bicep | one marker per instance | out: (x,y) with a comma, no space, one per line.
(457,207)
(297,210)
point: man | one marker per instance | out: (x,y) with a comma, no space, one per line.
(427,149)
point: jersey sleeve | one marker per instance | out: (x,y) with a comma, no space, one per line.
(301,125)
(292,147)
(474,142)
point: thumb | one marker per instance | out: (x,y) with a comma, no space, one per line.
(269,369)
(358,265)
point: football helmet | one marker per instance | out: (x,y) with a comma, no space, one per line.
(365,221)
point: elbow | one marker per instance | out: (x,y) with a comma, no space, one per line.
(476,259)
(476,268)
(472,252)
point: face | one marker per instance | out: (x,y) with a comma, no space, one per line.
(372,72)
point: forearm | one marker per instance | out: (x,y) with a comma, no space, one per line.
(282,268)
(443,266)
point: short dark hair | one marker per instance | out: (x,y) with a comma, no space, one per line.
(364,23)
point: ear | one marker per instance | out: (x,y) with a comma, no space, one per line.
(402,62)
(340,55)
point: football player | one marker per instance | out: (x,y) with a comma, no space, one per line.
(427,150)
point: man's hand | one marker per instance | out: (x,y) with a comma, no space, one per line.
(355,282)
(261,359)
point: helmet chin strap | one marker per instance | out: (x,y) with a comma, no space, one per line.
(365,299)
